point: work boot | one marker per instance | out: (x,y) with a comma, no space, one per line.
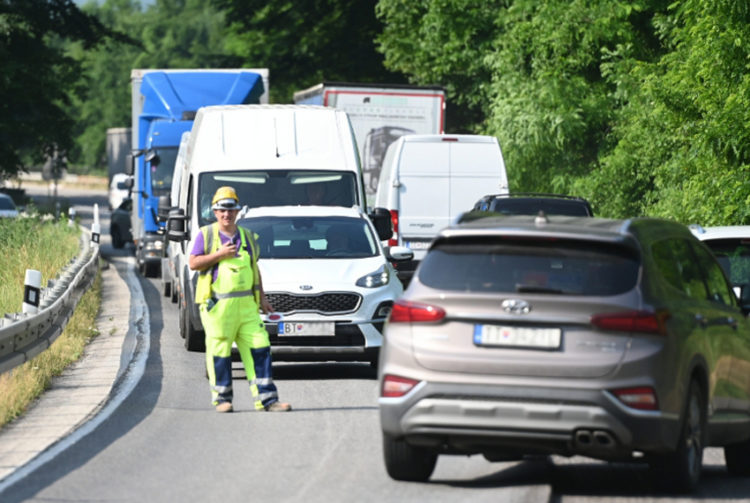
(278,407)
(224,407)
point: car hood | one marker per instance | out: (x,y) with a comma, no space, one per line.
(309,276)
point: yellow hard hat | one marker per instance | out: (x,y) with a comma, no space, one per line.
(225,198)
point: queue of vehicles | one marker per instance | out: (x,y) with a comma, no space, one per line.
(502,324)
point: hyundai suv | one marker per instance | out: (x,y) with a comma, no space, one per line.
(531,203)
(612,339)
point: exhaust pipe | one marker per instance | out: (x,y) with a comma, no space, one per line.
(594,439)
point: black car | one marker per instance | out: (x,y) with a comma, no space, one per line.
(531,203)
(119,224)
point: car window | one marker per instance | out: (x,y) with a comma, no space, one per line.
(6,203)
(319,237)
(535,266)
(278,188)
(718,288)
(677,264)
(734,257)
(524,206)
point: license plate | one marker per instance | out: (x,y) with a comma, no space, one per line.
(325,328)
(520,337)
(417,245)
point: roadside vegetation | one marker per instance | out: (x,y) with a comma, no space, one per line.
(24,242)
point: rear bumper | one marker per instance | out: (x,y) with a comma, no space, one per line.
(485,419)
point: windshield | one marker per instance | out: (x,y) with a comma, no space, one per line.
(509,206)
(278,188)
(529,266)
(734,257)
(161,173)
(312,237)
(7,204)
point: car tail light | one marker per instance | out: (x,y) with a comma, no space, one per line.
(396,386)
(394,223)
(632,321)
(641,398)
(414,312)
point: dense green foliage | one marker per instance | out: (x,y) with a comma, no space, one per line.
(38,77)
(639,105)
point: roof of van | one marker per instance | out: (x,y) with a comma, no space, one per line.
(242,137)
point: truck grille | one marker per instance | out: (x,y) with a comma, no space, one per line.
(324,303)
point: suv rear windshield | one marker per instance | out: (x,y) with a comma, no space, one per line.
(565,207)
(530,266)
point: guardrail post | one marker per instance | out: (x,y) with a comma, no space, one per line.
(31,290)
(95,228)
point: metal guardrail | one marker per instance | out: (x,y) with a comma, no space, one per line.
(24,336)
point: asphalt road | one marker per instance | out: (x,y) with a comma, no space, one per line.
(164,442)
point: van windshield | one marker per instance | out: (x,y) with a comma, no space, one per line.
(279,188)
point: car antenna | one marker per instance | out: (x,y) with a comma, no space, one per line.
(276,137)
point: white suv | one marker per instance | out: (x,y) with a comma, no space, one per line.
(327,277)
(731,245)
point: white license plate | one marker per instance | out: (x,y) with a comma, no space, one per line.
(307,328)
(417,245)
(521,337)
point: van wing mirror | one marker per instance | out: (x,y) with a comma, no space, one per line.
(381,219)
(176,225)
(165,205)
(130,165)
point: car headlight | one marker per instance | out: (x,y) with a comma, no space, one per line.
(375,279)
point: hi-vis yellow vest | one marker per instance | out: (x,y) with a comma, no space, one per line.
(211,243)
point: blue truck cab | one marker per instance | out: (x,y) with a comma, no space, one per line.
(164,104)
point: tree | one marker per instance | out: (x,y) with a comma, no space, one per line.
(37,75)
(306,42)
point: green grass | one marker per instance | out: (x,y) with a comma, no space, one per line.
(47,245)
(32,242)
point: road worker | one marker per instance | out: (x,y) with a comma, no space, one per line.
(230,295)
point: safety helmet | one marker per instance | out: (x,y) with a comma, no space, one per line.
(225,198)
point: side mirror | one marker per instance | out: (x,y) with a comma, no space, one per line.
(130,166)
(152,157)
(129,182)
(398,253)
(381,219)
(165,204)
(176,225)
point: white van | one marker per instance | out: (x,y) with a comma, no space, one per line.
(273,155)
(427,181)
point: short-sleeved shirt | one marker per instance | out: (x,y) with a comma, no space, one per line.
(199,245)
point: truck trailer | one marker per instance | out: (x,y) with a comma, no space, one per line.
(164,104)
(380,113)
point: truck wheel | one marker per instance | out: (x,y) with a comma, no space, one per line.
(167,288)
(406,462)
(151,270)
(737,458)
(194,339)
(681,469)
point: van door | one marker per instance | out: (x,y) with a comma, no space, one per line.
(476,169)
(423,193)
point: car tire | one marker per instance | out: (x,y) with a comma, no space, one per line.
(737,458)
(407,462)
(167,288)
(175,295)
(194,339)
(680,470)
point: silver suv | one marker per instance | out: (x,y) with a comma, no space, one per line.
(613,339)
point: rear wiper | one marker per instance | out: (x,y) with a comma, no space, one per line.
(536,289)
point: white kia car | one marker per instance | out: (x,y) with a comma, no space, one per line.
(328,279)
